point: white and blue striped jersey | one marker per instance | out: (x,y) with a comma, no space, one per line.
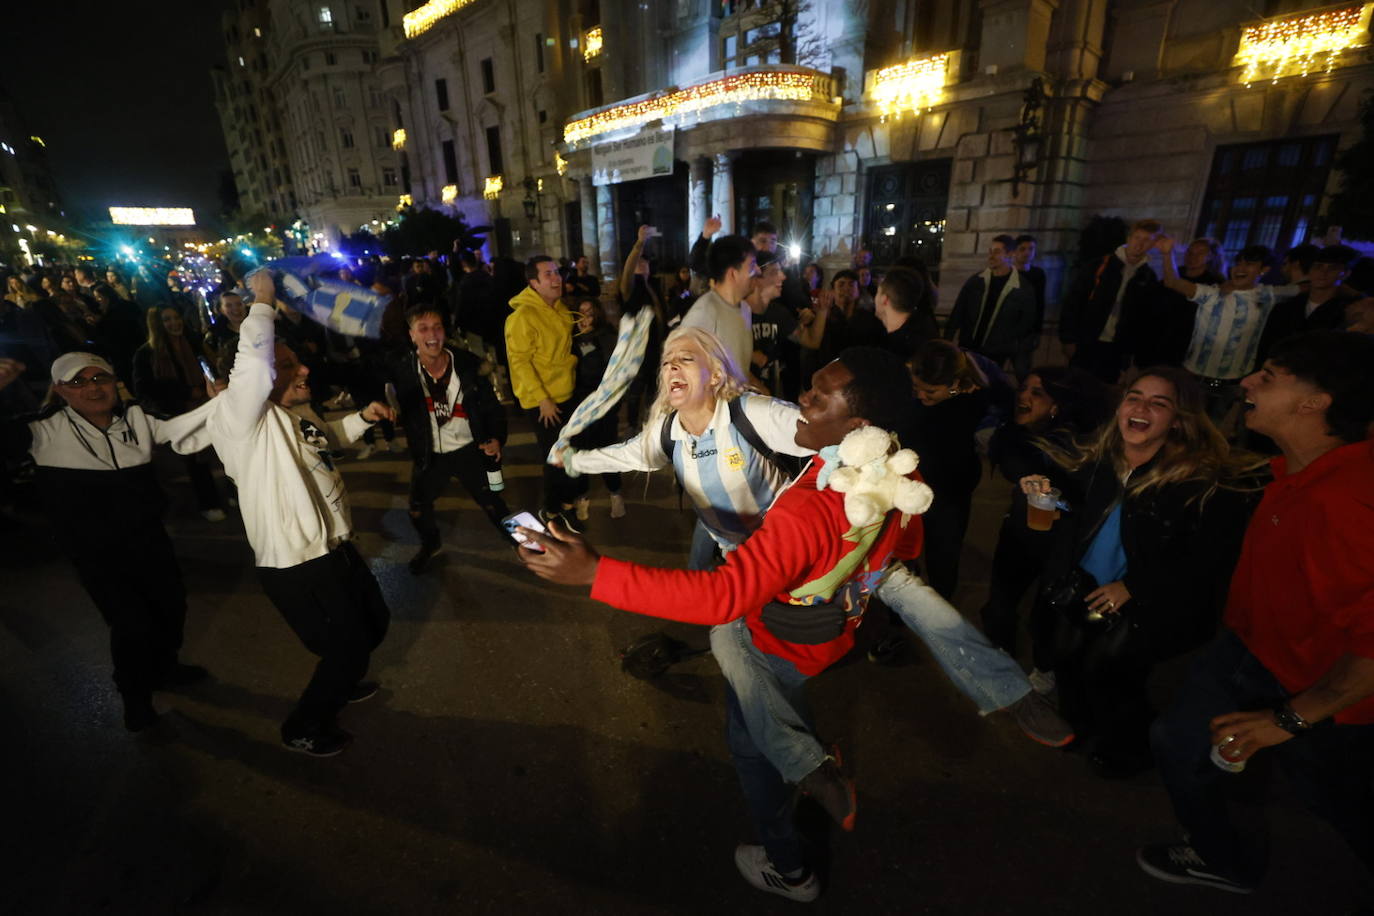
(729,483)
(1226,331)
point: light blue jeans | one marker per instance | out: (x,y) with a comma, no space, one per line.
(986,674)
(771,701)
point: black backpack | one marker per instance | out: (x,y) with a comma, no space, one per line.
(790,465)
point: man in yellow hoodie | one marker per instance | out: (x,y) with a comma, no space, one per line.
(542,371)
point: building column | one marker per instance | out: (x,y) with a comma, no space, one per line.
(605,222)
(586,195)
(723,192)
(698,195)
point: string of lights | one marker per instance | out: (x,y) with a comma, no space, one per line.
(420,21)
(493,188)
(449,193)
(398,138)
(1299,45)
(591,45)
(785,85)
(910,86)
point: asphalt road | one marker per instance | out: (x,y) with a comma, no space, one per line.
(509,766)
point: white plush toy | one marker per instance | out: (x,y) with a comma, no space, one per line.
(874,482)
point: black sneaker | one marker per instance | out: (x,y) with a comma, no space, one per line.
(891,652)
(139,713)
(564,520)
(1180,864)
(422,557)
(833,791)
(183,676)
(365,690)
(324,744)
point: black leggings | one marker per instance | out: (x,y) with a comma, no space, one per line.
(427,485)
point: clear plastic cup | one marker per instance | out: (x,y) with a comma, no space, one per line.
(1042,509)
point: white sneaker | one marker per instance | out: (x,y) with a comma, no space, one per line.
(584,509)
(753,864)
(213,515)
(617,506)
(365,452)
(1042,682)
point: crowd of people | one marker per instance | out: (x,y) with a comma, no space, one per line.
(1195,475)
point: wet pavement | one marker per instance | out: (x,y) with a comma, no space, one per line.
(508,764)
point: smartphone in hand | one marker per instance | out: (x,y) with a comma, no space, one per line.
(524,520)
(210,380)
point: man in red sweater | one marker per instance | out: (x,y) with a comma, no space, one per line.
(805,560)
(1293,674)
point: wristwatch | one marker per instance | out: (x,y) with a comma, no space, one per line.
(1288,720)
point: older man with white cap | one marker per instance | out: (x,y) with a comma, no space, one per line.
(95,477)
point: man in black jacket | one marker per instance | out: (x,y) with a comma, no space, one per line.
(1090,326)
(994,313)
(451,418)
(1321,308)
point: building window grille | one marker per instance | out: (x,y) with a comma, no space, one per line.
(1265,193)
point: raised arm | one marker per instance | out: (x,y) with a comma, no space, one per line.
(250,382)
(627,273)
(1171,277)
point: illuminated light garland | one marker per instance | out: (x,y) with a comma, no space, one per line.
(398,138)
(494,186)
(1301,44)
(152,216)
(423,19)
(779,85)
(405,201)
(591,44)
(559,163)
(449,193)
(910,86)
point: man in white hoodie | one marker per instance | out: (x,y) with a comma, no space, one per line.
(295,511)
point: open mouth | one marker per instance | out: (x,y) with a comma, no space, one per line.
(676,385)
(1023,408)
(1247,405)
(1136,423)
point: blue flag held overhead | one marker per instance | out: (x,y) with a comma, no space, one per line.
(344,308)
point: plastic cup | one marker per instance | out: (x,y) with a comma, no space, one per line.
(1222,760)
(1042,510)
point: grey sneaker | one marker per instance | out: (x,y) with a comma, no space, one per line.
(1041,722)
(753,864)
(1180,864)
(1041,681)
(833,791)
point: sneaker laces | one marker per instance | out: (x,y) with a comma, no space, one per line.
(1186,856)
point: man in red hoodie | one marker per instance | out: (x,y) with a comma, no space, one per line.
(805,560)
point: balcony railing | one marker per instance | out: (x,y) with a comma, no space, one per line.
(717,96)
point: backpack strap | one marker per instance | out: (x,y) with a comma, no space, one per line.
(739,419)
(665,435)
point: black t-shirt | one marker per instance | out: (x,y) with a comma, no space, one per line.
(771,328)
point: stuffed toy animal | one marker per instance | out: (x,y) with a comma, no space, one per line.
(874,482)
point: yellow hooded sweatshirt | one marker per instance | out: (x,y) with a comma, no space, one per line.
(539,349)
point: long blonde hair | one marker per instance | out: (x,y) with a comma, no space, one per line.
(731,382)
(1194,450)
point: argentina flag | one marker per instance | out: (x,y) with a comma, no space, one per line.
(344,308)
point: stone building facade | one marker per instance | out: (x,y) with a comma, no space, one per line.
(908,128)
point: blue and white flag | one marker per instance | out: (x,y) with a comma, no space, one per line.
(344,308)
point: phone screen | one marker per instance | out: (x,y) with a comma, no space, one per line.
(207,371)
(524,520)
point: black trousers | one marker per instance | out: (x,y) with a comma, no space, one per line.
(946,522)
(333,603)
(1016,566)
(139,592)
(427,485)
(559,489)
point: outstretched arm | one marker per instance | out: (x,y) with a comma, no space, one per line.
(1171,277)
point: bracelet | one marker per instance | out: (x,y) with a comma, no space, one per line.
(1288,720)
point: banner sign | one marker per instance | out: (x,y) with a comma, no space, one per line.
(647,154)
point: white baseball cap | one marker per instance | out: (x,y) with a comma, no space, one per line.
(69,365)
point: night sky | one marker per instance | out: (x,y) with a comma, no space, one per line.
(121,94)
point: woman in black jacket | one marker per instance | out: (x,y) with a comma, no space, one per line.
(1139,568)
(1054,405)
(954,396)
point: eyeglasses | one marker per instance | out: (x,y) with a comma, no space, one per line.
(100,378)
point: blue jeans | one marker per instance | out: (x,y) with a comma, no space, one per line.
(986,674)
(704,551)
(1327,768)
(768,730)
